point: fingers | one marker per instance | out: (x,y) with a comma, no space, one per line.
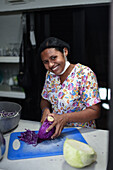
(52,115)
(44,116)
(58,123)
(51,126)
(57,132)
(42,120)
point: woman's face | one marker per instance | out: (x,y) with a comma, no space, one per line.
(53,60)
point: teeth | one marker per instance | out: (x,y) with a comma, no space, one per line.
(55,68)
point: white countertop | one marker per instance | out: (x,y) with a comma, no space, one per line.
(98,139)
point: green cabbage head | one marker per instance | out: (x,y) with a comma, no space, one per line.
(78,154)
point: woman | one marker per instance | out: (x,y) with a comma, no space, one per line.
(70,93)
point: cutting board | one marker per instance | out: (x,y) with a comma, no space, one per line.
(20,150)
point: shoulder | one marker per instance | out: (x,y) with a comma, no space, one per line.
(83,69)
(85,72)
(51,76)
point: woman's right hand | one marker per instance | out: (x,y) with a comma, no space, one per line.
(46,112)
(45,105)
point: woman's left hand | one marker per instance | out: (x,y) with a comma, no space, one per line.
(59,122)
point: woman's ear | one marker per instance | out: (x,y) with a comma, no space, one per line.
(65,51)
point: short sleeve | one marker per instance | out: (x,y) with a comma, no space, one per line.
(44,93)
(89,88)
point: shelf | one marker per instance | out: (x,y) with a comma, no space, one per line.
(5,91)
(12,94)
(9,59)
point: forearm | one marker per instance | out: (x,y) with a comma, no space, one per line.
(45,107)
(83,116)
(44,104)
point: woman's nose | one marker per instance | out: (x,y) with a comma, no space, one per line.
(51,64)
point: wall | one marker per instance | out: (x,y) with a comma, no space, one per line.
(40,4)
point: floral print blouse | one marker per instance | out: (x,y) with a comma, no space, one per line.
(78,91)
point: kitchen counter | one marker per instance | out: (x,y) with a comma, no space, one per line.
(96,138)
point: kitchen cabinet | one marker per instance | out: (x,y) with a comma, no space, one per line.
(11,37)
(9,66)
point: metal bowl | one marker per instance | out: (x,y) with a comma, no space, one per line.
(9,123)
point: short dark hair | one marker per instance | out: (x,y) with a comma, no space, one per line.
(53,42)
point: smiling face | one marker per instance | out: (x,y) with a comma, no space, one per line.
(53,60)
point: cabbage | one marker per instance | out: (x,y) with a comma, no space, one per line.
(5,114)
(42,134)
(78,154)
(29,137)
